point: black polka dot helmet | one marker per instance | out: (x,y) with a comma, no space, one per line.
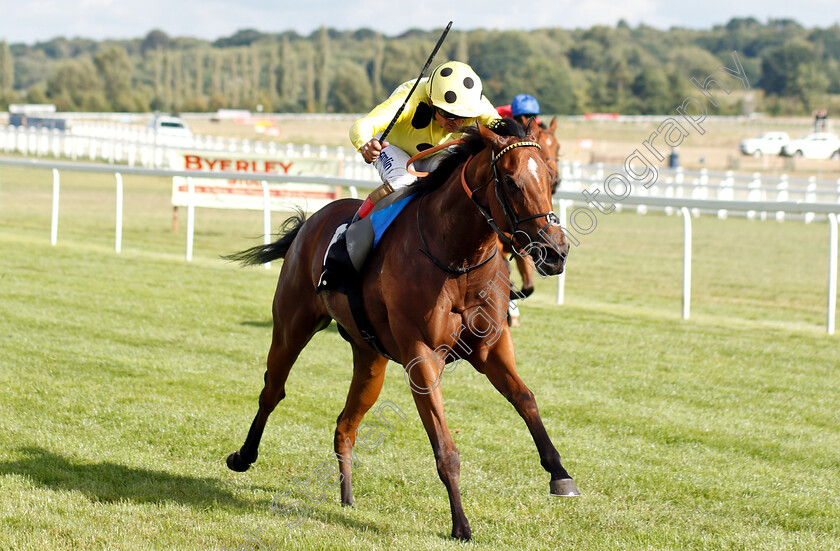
(455,88)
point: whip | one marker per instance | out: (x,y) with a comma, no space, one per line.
(416,82)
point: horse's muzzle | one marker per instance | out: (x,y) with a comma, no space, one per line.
(550,260)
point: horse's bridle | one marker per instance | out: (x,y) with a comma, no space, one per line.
(501,195)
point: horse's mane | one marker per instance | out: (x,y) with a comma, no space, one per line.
(471,144)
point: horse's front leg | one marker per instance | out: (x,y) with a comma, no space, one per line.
(500,368)
(527,273)
(424,373)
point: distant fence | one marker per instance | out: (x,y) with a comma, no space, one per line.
(189,175)
(756,119)
(566,199)
(703,184)
(138,146)
(750,120)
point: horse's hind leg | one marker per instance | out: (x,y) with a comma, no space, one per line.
(296,319)
(368,375)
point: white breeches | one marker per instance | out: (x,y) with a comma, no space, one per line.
(391,165)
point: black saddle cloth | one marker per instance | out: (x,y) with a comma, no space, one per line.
(338,273)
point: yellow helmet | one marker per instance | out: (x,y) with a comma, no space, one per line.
(454,87)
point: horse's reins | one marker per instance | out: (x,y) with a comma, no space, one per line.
(501,195)
(425,250)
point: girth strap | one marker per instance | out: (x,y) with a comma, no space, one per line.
(363,324)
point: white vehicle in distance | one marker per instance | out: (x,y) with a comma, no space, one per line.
(769,143)
(819,145)
(167,125)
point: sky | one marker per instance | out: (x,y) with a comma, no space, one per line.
(33,21)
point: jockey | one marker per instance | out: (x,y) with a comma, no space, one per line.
(449,99)
(523,107)
(504,111)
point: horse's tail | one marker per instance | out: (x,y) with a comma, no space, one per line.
(266,253)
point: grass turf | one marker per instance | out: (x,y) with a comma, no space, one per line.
(126,379)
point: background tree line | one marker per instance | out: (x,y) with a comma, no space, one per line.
(640,70)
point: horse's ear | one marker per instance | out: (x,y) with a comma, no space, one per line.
(491,139)
(553,126)
(532,130)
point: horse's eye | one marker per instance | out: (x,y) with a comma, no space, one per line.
(513,187)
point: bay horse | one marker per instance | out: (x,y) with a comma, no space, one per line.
(550,148)
(423,307)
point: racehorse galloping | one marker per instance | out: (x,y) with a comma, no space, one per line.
(417,305)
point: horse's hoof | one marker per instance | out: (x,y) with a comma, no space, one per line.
(564,487)
(235,463)
(463,534)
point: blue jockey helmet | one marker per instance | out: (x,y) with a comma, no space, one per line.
(524,104)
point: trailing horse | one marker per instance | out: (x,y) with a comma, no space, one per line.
(424,307)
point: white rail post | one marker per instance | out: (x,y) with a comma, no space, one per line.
(679,180)
(726,192)
(566,171)
(810,197)
(832,271)
(266,217)
(22,141)
(669,192)
(340,156)
(190,217)
(686,303)
(54,224)
(781,195)
(641,191)
(561,279)
(119,216)
(762,191)
(701,191)
(754,193)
